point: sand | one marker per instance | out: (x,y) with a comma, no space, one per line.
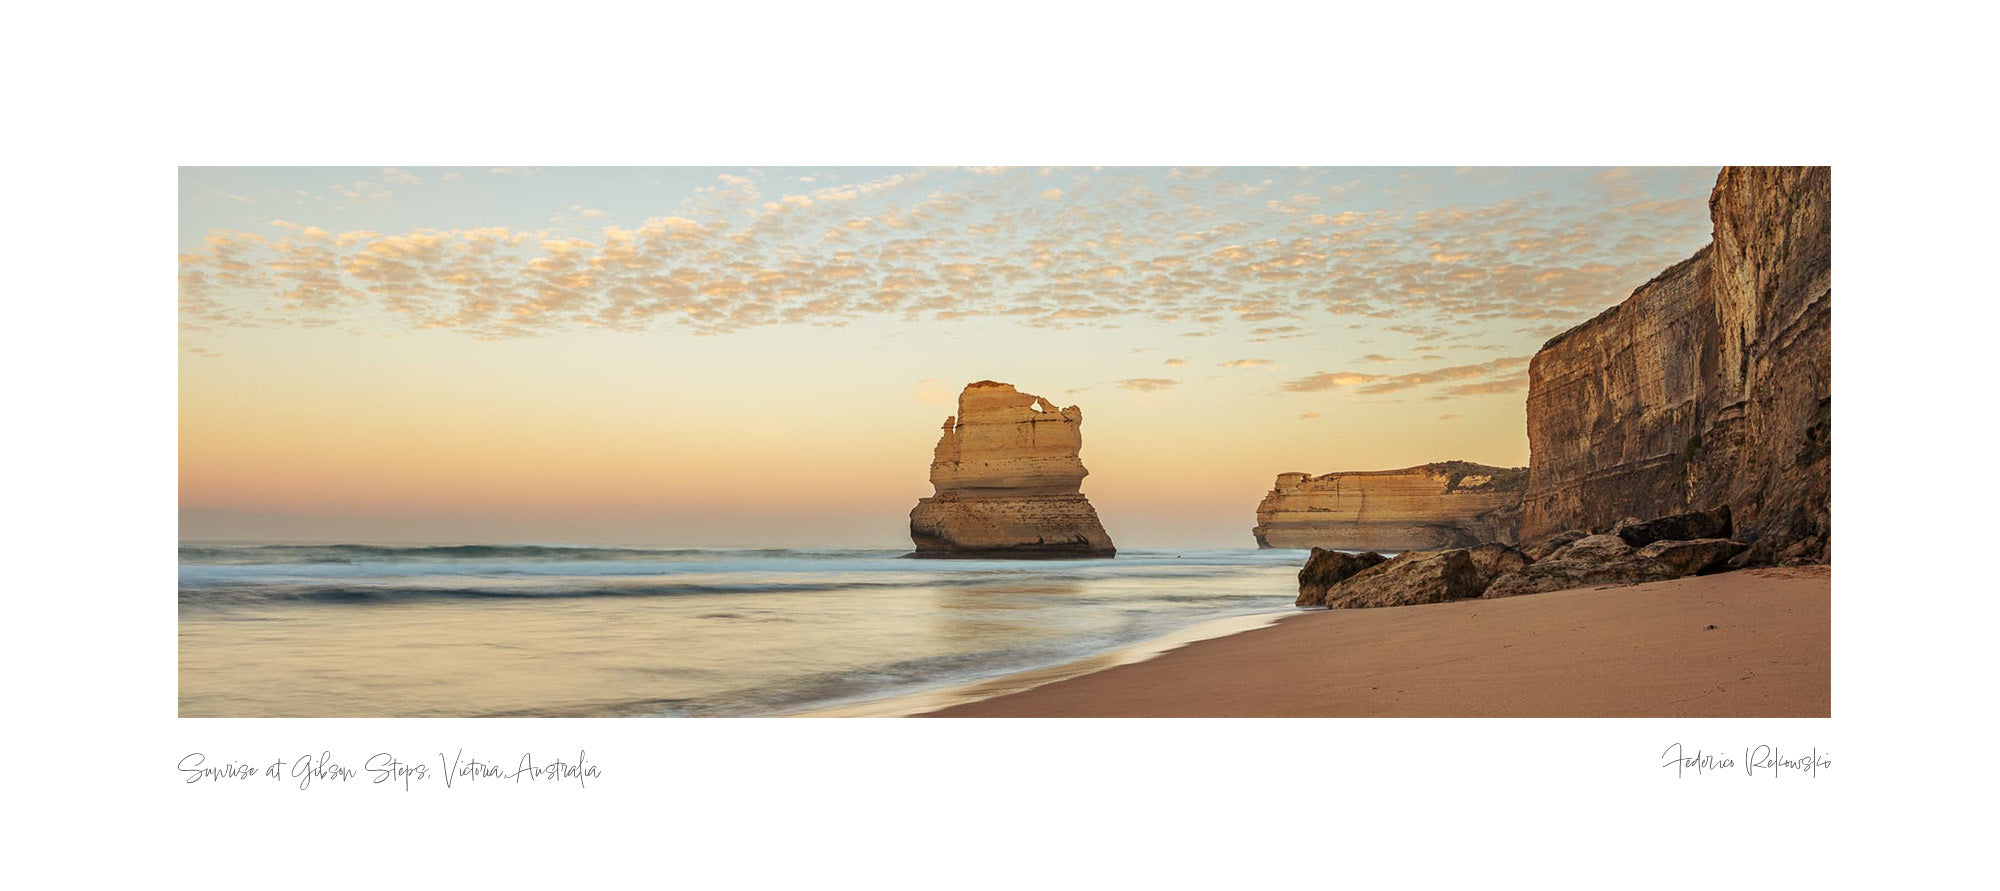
(1749,644)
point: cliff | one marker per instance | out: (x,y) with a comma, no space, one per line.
(1007,477)
(1710,386)
(1443,505)
(1612,406)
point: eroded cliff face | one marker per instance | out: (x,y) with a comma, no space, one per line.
(1613,404)
(1710,386)
(1444,505)
(1007,476)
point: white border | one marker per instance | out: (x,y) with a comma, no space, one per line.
(109,103)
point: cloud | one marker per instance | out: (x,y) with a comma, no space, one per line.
(1452,373)
(365,192)
(1329,381)
(1619,185)
(1376,384)
(1373,357)
(1148,384)
(1203,252)
(1280,332)
(1175,363)
(1309,416)
(1447,417)
(400,177)
(1508,384)
(1248,363)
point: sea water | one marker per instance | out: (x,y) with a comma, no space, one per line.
(355,630)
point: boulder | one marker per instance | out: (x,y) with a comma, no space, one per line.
(1541,549)
(1592,549)
(1557,575)
(1413,577)
(1694,557)
(1493,560)
(1325,568)
(1679,527)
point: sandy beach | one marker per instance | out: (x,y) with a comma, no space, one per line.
(1747,644)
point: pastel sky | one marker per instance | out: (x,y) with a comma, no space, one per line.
(719,357)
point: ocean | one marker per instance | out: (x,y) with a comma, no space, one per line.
(352,630)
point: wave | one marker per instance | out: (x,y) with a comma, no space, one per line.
(228,595)
(229,591)
(236,578)
(792,694)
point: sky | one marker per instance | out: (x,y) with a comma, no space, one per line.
(763,356)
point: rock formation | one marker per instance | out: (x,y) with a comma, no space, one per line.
(1571,560)
(1493,560)
(1581,570)
(1592,548)
(1596,560)
(1414,577)
(1692,557)
(1444,505)
(1711,386)
(1008,480)
(1679,527)
(1542,549)
(1325,568)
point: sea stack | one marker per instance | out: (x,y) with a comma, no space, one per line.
(1008,480)
(1448,504)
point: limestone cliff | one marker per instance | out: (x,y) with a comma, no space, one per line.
(1444,505)
(1008,476)
(1710,386)
(1612,406)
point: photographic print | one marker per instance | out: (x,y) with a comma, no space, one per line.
(1004,441)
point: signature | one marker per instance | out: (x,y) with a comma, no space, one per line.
(1766,758)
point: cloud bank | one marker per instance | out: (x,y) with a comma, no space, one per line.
(1268,254)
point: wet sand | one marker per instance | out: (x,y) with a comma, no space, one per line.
(1749,644)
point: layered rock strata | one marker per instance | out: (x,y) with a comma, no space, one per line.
(1007,476)
(1444,505)
(1709,387)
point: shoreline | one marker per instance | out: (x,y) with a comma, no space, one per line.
(922,702)
(1754,643)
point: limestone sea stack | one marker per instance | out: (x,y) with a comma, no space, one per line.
(1008,478)
(1449,504)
